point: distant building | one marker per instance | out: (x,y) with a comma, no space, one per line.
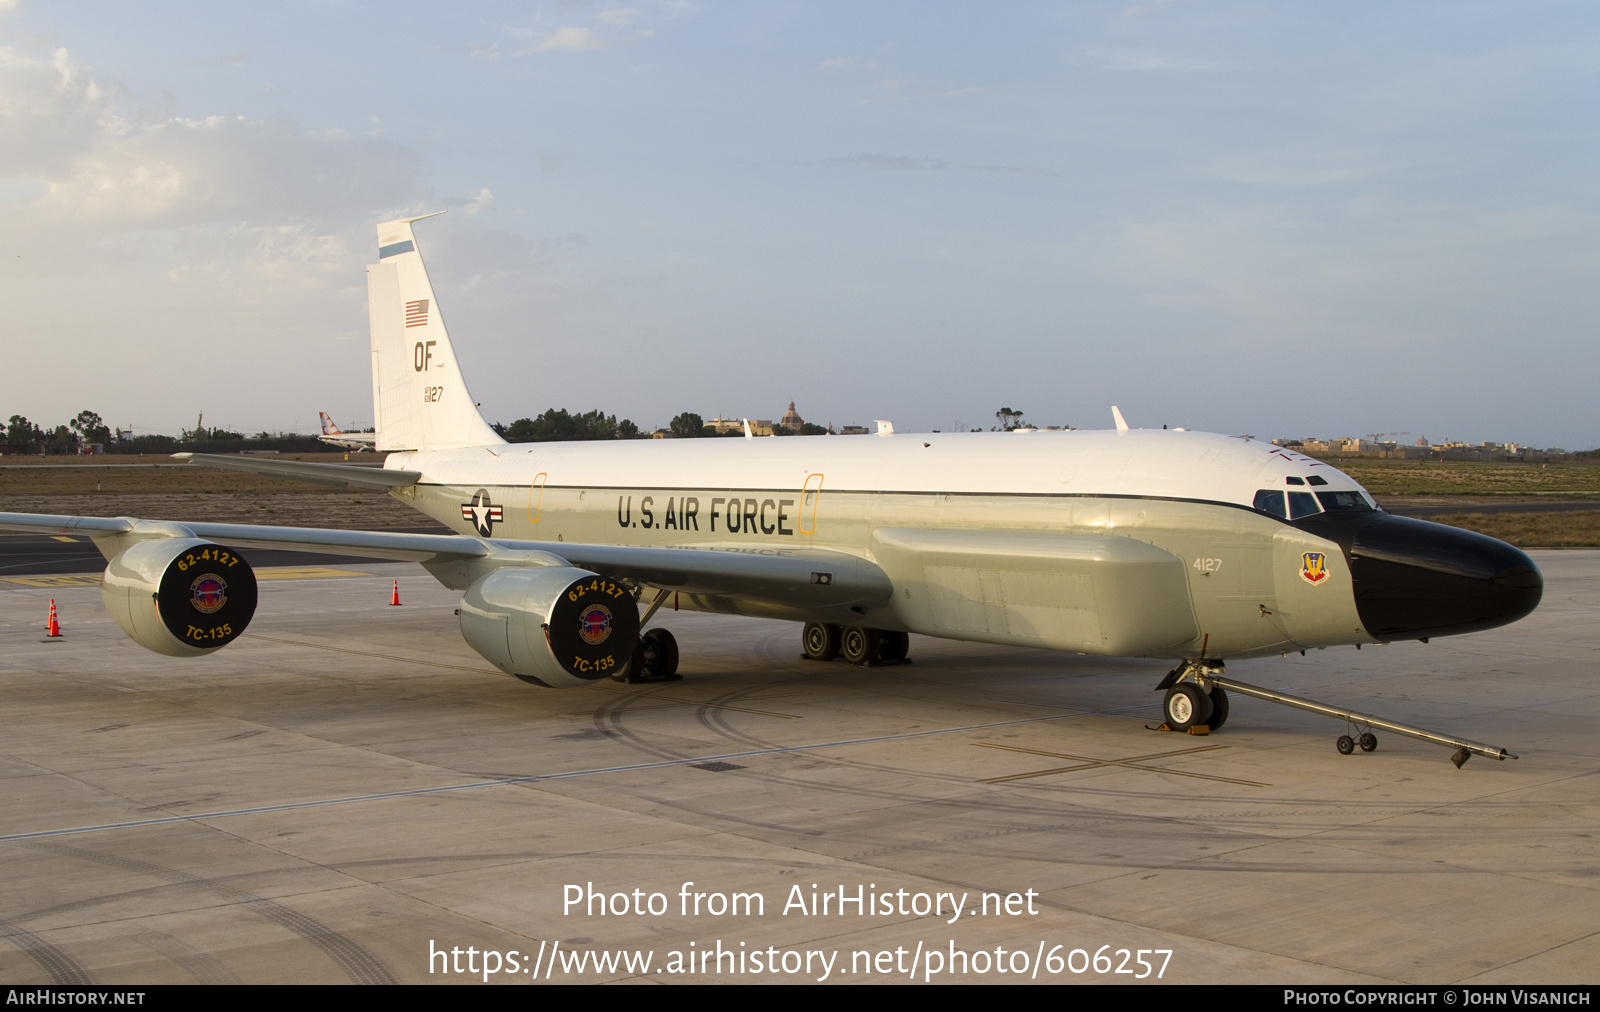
(792,419)
(758,426)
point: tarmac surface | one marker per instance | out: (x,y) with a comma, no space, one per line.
(349,786)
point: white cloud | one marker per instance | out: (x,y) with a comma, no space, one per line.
(618,16)
(183,171)
(571,39)
(480,201)
(905,163)
(104,170)
(1114,58)
(1138,11)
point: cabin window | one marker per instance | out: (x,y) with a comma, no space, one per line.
(1317,479)
(1292,480)
(1335,502)
(1302,504)
(1270,500)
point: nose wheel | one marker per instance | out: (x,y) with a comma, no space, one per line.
(1186,706)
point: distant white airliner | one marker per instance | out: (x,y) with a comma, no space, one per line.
(358,441)
(1185,546)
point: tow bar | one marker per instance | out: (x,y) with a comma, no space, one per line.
(1208,675)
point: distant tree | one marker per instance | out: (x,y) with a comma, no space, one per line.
(685,425)
(145,444)
(1009,420)
(90,427)
(805,429)
(559,424)
(21,432)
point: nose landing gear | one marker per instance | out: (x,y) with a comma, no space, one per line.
(1194,685)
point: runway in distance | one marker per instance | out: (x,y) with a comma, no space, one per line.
(345,440)
(1185,546)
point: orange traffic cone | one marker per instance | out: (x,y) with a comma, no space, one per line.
(393,598)
(52,627)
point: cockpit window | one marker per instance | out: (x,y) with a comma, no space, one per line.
(1293,480)
(1317,479)
(1270,500)
(1335,502)
(1302,504)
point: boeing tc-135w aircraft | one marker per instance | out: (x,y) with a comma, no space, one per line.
(1185,546)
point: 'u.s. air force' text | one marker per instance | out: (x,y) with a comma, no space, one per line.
(735,514)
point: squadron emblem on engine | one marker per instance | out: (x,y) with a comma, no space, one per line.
(1313,567)
(208,594)
(483,514)
(594,625)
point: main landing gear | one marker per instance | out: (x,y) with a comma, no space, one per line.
(655,656)
(1196,702)
(856,644)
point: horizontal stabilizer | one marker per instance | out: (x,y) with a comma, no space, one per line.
(339,475)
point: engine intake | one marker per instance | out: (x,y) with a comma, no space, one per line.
(557,627)
(180,596)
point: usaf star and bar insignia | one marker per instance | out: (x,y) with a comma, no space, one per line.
(483,514)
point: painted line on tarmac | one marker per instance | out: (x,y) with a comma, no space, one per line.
(535,778)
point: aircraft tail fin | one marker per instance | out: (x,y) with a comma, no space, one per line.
(328,428)
(419,398)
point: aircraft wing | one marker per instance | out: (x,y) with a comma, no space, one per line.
(339,475)
(802,577)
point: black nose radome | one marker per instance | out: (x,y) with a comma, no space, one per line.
(1415,579)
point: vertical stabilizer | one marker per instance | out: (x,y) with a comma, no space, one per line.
(419,398)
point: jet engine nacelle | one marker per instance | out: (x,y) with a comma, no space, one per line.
(180,596)
(559,627)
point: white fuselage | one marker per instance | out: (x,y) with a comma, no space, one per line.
(1118,542)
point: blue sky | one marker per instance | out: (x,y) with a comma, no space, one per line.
(1280,219)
